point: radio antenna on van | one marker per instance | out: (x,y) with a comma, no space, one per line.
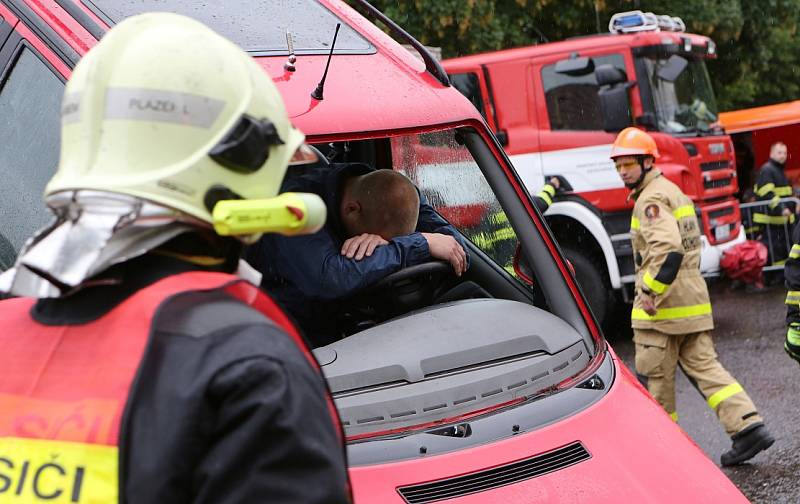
(317,94)
(292,59)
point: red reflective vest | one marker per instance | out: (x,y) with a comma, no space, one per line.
(63,389)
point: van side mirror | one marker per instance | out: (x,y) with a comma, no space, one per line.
(574,66)
(673,68)
(615,108)
(523,269)
(502,137)
(521,266)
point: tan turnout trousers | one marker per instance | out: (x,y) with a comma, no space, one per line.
(657,357)
(666,242)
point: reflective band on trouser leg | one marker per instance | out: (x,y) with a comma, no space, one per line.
(672,313)
(795,252)
(674,416)
(635,223)
(684,211)
(653,284)
(793,297)
(724,393)
(760,218)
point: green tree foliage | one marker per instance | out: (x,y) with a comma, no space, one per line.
(759,51)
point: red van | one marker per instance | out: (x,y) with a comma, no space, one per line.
(512,397)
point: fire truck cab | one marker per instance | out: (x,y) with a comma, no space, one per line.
(557,107)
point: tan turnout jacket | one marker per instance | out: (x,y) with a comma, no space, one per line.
(666,249)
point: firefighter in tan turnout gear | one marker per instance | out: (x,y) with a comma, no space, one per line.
(671,315)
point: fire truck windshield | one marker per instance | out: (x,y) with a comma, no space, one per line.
(682,94)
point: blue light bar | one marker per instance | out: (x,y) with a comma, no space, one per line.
(637,21)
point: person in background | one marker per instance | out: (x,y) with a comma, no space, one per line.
(163,376)
(497,238)
(671,315)
(777,218)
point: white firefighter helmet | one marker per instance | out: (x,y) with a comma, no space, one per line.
(166,110)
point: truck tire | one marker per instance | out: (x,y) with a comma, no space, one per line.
(593,283)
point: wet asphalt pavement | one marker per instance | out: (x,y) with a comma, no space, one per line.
(749,340)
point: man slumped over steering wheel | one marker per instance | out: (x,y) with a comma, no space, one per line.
(378,223)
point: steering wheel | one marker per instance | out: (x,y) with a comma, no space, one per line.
(402,291)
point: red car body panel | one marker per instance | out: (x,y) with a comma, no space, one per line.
(634,445)
(638,455)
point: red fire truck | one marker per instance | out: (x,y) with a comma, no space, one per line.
(556,108)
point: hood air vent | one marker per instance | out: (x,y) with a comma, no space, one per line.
(496,477)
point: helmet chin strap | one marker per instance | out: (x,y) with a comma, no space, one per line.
(641,175)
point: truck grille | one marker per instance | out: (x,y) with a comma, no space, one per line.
(716,214)
(497,476)
(715,184)
(715,165)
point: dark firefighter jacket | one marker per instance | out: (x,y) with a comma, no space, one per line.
(310,277)
(666,248)
(771,186)
(792,274)
(222,405)
(497,238)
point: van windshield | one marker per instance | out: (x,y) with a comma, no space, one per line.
(473,343)
(257,26)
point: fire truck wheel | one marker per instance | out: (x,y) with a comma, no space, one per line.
(592,281)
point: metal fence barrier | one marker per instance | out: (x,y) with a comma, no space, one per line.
(770,230)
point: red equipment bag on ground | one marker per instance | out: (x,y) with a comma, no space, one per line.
(745,261)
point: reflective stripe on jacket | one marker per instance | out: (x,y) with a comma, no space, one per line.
(666,245)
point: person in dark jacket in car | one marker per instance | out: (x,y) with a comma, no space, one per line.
(136,366)
(378,223)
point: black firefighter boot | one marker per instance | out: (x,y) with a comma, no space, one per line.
(747,443)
